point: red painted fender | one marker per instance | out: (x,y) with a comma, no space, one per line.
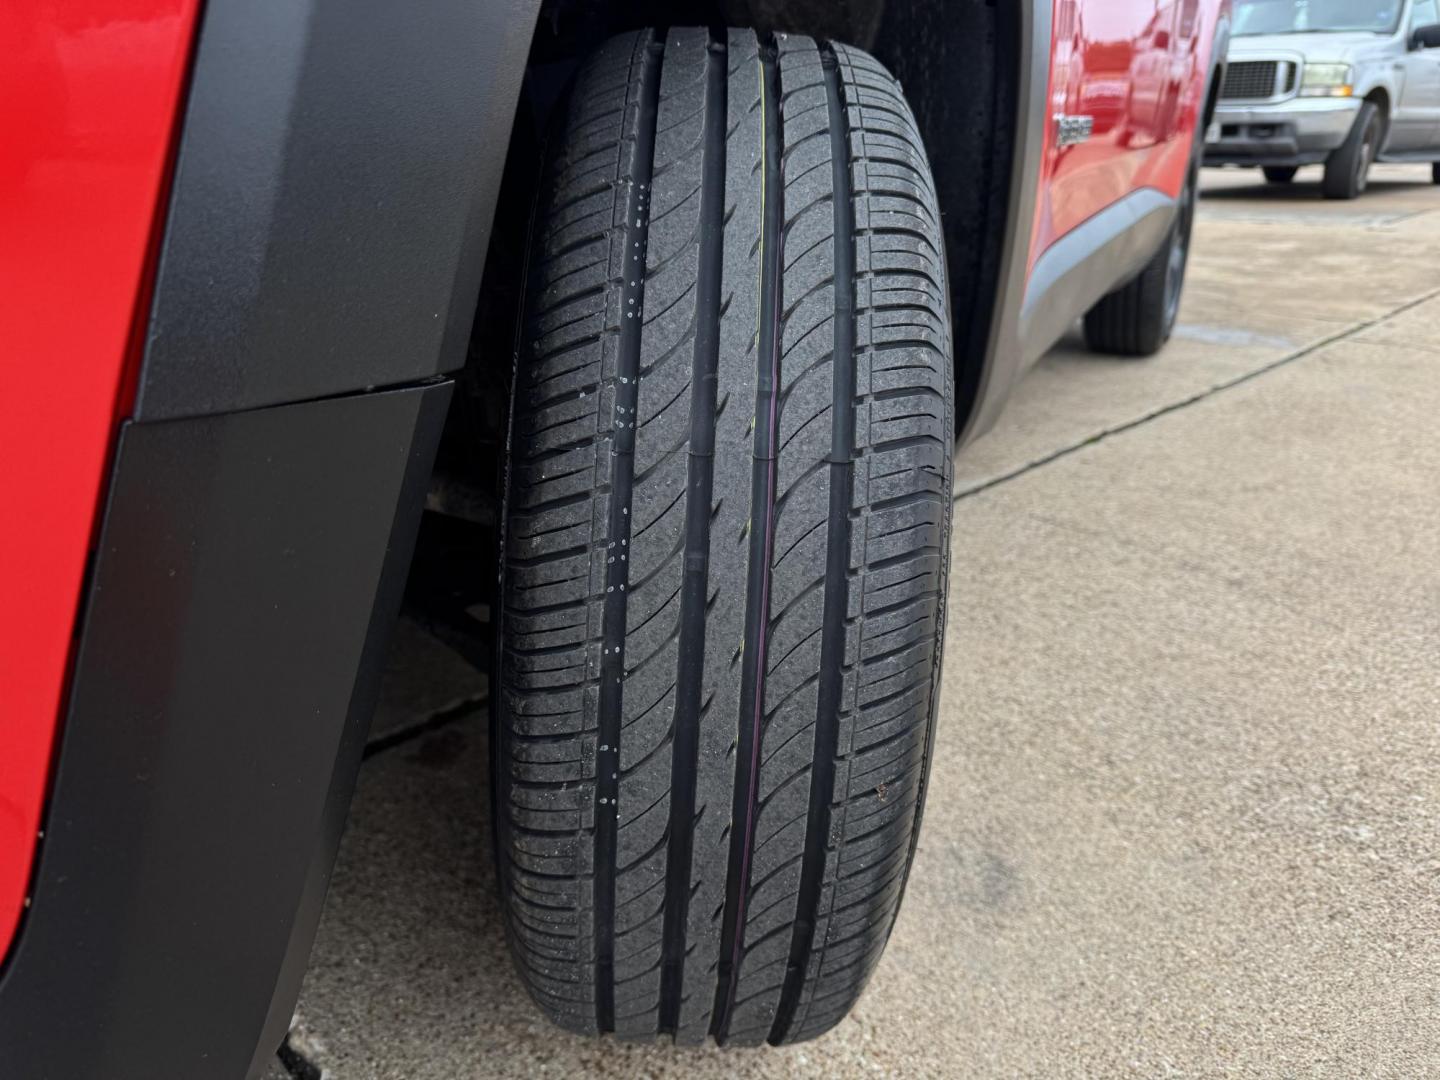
(92,91)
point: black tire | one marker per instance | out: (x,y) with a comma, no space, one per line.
(700,836)
(1347,172)
(1138,318)
(1435,172)
(1280,174)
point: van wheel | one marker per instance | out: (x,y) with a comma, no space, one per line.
(1280,174)
(727,540)
(1138,318)
(1347,172)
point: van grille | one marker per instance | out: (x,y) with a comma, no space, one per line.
(1253,80)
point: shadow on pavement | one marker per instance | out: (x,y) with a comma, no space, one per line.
(1304,188)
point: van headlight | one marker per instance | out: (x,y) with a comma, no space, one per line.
(1327,80)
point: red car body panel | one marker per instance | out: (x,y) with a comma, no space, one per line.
(92,92)
(222,390)
(1139,70)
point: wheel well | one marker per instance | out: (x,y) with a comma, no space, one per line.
(956,60)
(1212,100)
(958,63)
(1380,97)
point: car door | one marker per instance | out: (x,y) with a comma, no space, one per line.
(1105,92)
(1416,123)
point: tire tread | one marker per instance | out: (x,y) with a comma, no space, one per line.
(705,896)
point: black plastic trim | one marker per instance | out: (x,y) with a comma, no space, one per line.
(1088,263)
(336,179)
(1003,364)
(249,569)
(1262,152)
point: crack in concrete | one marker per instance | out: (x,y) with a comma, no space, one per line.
(434,722)
(1185,403)
(1408,217)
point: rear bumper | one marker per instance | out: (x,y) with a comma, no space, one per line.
(1296,132)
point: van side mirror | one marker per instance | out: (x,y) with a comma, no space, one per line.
(1425,37)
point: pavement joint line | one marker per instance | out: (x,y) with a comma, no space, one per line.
(1411,216)
(1381,343)
(434,722)
(1209,392)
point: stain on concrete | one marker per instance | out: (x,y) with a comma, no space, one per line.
(440,750)
(981,878)
(1235,337)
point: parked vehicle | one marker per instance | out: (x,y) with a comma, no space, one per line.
(1339,83)
(685,349)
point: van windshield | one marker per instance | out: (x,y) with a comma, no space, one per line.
(1315,16)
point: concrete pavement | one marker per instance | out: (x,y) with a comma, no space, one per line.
(1186,792)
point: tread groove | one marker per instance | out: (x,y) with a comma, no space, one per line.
(762,538)
(700,483)
(612,665)
(726,539)
(837,558)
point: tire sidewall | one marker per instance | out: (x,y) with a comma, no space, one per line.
(1348,170)
(1366,150)
(1180,233)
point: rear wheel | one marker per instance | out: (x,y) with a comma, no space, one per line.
(1138,318)
(1435,172)
(1347,172)
(1280,174)
(727,540)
